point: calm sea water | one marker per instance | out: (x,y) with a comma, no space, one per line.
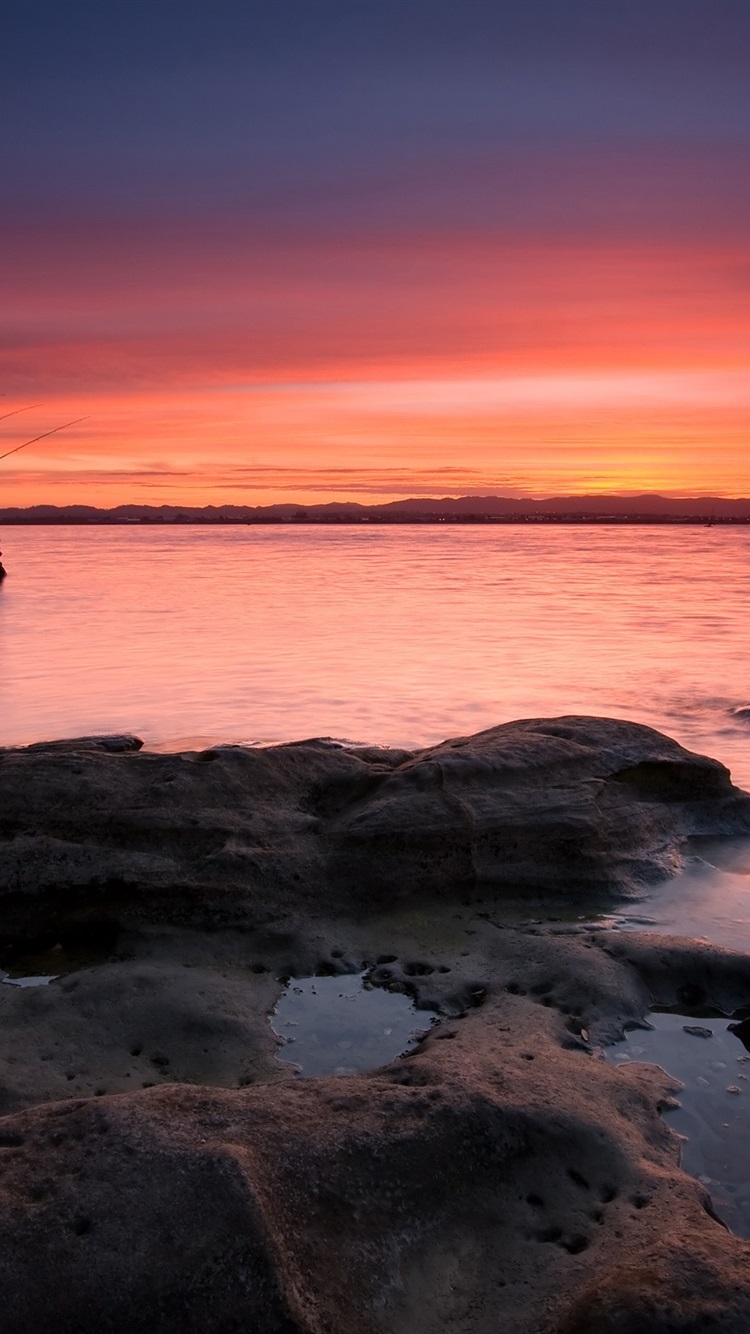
(397,635)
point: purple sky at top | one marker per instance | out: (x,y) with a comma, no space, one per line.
(321,113)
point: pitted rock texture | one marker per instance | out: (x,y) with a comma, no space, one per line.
(467,1188)
(159,1171)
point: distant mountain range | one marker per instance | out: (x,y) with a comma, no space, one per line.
(646,508)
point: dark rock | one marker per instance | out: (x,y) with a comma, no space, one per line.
(741,1030)
(495,1180)
(317,1205)
(565,806)
(114,744)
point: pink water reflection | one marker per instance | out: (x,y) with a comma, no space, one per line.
(402,636)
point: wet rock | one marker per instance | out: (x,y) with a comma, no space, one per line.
(742,1031)
(112,744)
(494,1179)
(697,1031)
(567,806)
(316,1205)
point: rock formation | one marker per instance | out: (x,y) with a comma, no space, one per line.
(565,805)
(160,1171)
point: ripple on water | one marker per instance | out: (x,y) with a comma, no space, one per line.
(344,1025)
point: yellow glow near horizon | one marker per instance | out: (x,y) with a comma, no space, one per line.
(375,370)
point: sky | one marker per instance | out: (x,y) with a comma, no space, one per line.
(364,249)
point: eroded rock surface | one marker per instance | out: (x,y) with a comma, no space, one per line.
(483,1183)
(568,804)
(160,1171)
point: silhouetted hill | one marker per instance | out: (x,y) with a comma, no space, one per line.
(646,508)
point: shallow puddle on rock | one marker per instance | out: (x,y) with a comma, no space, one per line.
(343,1025)
(715,1103)
(41,981)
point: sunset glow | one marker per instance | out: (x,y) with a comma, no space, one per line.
(277,302)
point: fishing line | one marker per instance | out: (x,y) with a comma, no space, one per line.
(42,436)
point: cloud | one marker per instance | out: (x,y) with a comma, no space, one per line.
(329,482)
(478,396)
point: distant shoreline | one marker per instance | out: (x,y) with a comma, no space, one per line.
(401,520)
(647,507)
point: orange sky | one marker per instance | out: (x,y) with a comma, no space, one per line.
(324,250)
(247,369)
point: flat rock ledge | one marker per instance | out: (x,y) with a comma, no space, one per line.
(160,1170)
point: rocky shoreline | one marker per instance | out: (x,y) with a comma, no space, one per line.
(161,1170)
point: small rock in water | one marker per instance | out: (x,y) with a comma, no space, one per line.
(741,1030)
(732,1088)
(742,712)
(696,1031)
(113,744)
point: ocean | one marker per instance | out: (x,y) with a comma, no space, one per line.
(401,636)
